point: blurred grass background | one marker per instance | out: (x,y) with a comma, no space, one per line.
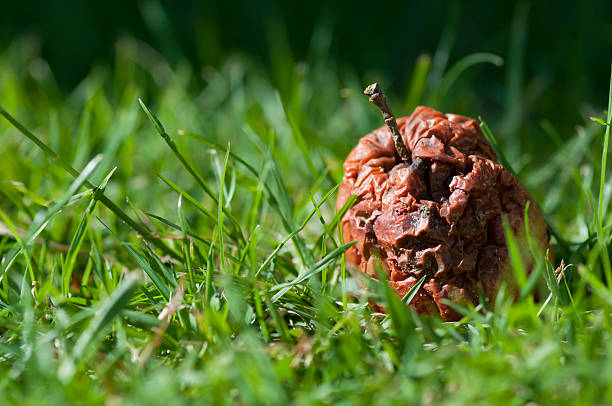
(555,51)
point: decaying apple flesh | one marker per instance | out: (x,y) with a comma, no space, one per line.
(438,216)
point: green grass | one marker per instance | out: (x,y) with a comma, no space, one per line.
(184,248)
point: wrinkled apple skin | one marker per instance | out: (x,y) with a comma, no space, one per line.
(440,215)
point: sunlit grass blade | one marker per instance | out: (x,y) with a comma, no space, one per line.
(343,270)
(258,174)
(514,254)
(208,282)
(296,231)
(198,178)
(188,197)
(192,235)
(83,135)
(75,174)
(20,247)
(396,310)
(600,289)
(186,245)
(219,147)
(79,236)
(340,214)
(23,190)
(278,192)
(601,237)
(177,227)
(220,213)
(407,298)
(536,254)
(41,220)
(318,267)
(279,322)
(143,263)
(105,314)
(493,142)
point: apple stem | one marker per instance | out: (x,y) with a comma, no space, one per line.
(380,100)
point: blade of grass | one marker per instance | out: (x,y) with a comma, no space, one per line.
(281,325)
(340,214)
(20,244)
(601,237)
(281,202)
(143,263)
(399,315)
(418,82)
(536,254)
(443,50)
(209,288)
(186,243)
(79,236)
(194,236)
(343,268)
(458,68)
(105,313)
(188,197)
(41,220)
(318,267)
(74,173)
(493,141)
(220,211)
(296,231)
(504,162)
(514,254)
(22,189)
(514,100)
(177,227)
(260,175)
(217,146)
(407,298)
(170,142)
(299,138)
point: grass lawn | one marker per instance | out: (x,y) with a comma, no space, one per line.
(184,249)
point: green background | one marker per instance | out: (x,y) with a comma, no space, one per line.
(558,50)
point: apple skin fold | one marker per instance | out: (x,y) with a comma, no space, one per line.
(439,215)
